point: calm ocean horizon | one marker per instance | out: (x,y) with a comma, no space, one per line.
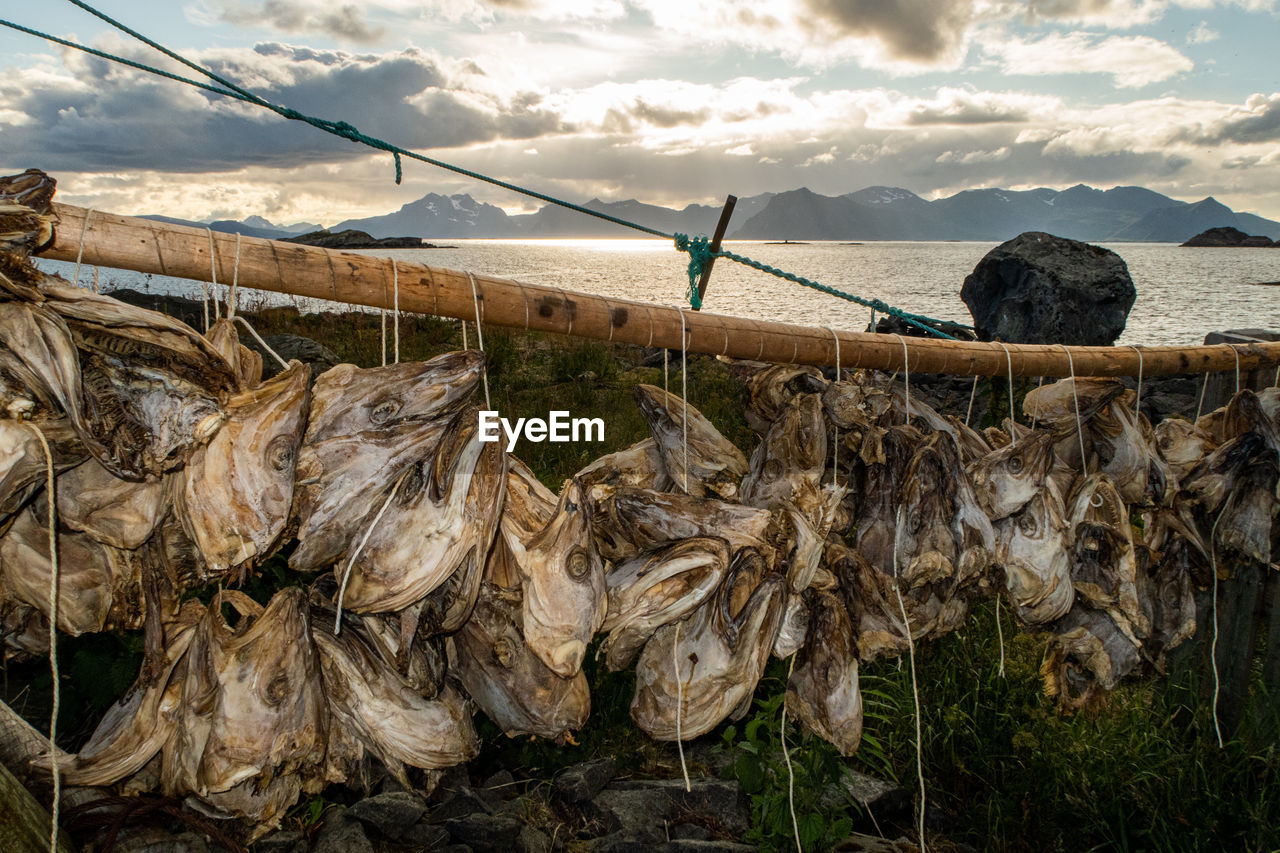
(1183,293)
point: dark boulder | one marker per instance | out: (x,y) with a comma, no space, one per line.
(1042,289)
(1228,237)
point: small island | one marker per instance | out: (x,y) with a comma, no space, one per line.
(1228,237)
(353,239)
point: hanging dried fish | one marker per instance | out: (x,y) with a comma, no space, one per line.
(680,431)
(1033,549)
(1104,567)
(1010,476)
(626,521)
(639,466)
(788,464)
(822,691)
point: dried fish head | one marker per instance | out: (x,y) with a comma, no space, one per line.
(924,548)
(695,673)
(871,598)
(1059,404)
(1172,602)
(794,627)
(364,427)
(26,212)
(116,512)
(787,465)
(245,363)
(640,466)
(506,679)
(881,492)
(1007,478)
(380,710)
(440,514)
(770,388)
(1126,447)
(856,403)
(1245,522)
(269,717)
(564,585)
(348,400)
(1104,567)
(1218,474)
(822,691)
(682,432)
(234,496)
(22,462)
(1086,653)
(1033,548)
(655,588)
(626,521)
(1182,444)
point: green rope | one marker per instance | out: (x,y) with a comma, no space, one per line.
(698,249)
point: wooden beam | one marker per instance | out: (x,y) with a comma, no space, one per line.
(359,279)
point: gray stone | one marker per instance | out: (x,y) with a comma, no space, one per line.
(341,834)
(390,814)
(425,836)
(858,843)
(622,843)
(532,841)
(314,354)
(284,841)
(642,813)
(461,804)
(150,839)
(485,833)
(885,801)
(689,832)
(1042,289)
(582,782)
(718,800)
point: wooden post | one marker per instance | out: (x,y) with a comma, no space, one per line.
(148,246)
(1237,626)
(721,227)
(24,823)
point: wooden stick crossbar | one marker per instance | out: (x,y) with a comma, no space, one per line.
(147,246)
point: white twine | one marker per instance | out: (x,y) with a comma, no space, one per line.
(1000,634)
(51,495)
(906,372)
(261,342)
(1084,461)
(233,295)
(95,280)
(1204,386)
(464,332)
(684,398)
(664,369)
(786,756)
(1237,355)
(675,659)
(484,374)
(395,295)
(346,575)
(84,228)
(1137,405)
(1213,647)
(972,395)
(915,694)
(213,277)
(1013,416)
(835,430)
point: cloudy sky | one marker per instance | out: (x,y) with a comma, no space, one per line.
(668,101)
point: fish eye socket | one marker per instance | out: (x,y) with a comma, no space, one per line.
(280,453)
(1015,464)
(384,411)
(578,565)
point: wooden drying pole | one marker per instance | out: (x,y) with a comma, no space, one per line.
(160,248)
(721,226)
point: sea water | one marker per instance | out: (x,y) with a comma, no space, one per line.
(1183,293)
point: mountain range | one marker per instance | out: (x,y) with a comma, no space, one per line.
(1120,214)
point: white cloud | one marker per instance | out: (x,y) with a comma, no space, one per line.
(1132,61)
(1202,33)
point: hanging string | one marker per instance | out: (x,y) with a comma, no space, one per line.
(1013,417)
(786,756)
(243,322)
(872,328)
(664,370)
(906,374)
(1204,386)
(972,394)
(1000,635)
(1084,461)
(684,398)
(51,496)
(484,373)
(915,694)
(95,280)
(395,321)
(675,659)
(213,277)
(835,430)
(84,228)
(346,574)
(464,333)
(1237,354)
(1137,405)
(233,295)
(1213,647)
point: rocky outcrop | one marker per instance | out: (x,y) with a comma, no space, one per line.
(1227,237)
(1042,289)
(353,239)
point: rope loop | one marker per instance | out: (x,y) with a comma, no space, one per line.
(700,254)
